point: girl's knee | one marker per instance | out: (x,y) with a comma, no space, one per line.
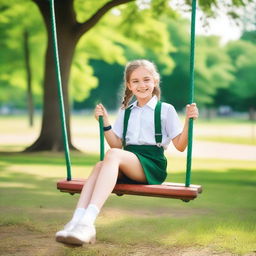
(113,153)
(97,167)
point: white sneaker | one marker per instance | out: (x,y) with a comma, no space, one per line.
(81,234)
(61,235)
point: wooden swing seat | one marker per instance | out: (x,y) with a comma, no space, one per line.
(166,189)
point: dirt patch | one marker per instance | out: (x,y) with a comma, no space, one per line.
(16,240)
(24,241)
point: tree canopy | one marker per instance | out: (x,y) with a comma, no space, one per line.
(112,31)
(244,86)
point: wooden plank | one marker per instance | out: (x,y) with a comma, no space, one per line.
(166,190)
(198,187)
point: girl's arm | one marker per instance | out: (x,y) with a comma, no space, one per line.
(181,141)
(112,139)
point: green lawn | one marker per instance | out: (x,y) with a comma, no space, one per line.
(222,218)
(220,222)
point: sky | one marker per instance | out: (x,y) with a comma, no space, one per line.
(221,25)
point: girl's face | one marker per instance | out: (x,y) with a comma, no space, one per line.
(141,83)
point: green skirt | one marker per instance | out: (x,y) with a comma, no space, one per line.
(152,160)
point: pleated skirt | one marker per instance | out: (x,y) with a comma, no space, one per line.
(153,161)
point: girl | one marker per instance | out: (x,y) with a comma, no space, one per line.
(143,129)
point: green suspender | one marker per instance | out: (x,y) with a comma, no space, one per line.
(126,119)
(158,128)
(157,121)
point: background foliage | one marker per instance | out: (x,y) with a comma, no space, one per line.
(134,30)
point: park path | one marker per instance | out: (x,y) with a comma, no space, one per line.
(218,150)
(86,137)
(201,149)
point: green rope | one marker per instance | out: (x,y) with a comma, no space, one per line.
(191,93)
(102,151)
(61,102)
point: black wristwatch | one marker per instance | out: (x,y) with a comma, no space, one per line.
(107,128)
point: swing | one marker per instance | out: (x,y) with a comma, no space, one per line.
(185,192)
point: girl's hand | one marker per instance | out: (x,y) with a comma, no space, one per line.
(192,111)
(101,111)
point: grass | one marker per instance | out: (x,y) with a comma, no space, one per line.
(229,139)
(223,217)
(220,222)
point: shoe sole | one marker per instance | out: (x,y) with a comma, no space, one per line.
(77,241)
(60,239)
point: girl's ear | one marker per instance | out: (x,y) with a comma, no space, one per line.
(155,82)
(128,85)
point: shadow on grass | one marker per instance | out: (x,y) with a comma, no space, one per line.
(233,189)
(77,158)
(230,189)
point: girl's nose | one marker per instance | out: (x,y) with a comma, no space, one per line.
(142,84)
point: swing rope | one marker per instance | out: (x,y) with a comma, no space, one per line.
(62,109)
(191,92)
(60,94)
(102,150)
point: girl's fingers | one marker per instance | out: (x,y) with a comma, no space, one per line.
(192,111)
(100,111)
(101,107)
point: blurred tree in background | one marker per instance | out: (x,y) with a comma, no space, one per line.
(244,86)
(133,29)
(14,23)
(212,70)
(241,93)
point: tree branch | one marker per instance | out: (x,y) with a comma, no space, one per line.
(87,25)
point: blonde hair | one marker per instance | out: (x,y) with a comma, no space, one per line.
(130,67)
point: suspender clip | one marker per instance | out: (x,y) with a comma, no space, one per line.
(159,145)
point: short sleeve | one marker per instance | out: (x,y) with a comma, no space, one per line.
(119,124)
(173,124)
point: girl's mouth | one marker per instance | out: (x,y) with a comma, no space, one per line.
(141,91)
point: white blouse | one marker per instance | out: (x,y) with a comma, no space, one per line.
(141,128)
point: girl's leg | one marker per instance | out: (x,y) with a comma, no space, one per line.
(88,187)
(116,160)
(81,205)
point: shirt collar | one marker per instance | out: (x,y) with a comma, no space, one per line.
(151,103)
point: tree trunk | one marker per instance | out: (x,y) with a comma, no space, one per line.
(28,72)
(69,32)
(50,138)
(252,114)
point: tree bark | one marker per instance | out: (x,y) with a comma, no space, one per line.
(252,114)
(50,138)
(28,72)
(69,32)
